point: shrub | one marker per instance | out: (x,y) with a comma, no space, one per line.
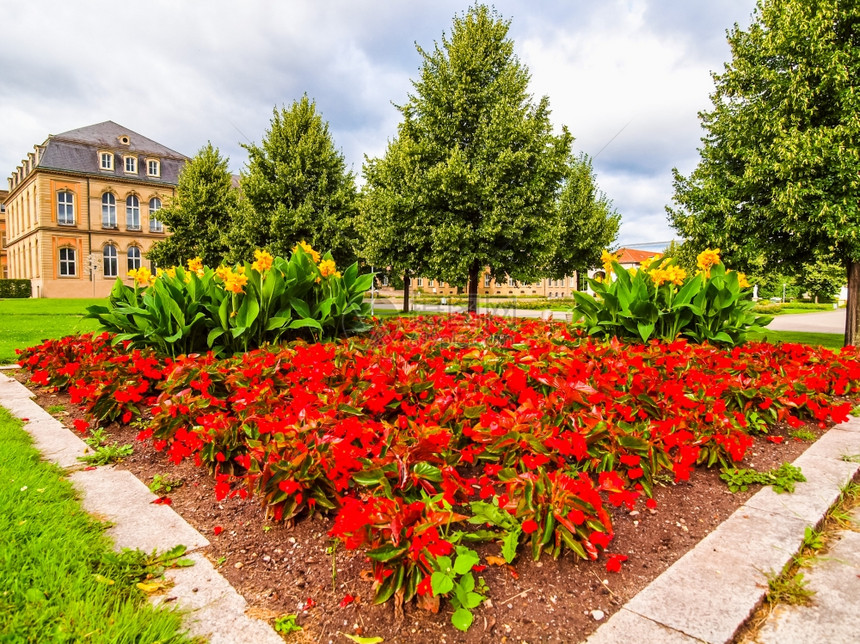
(233,309)
(15,288)
(662,301)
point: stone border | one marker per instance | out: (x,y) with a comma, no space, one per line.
(215,610)
(710,592)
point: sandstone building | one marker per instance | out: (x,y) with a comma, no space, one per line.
(82,209)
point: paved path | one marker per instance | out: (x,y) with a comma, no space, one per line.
(818,322)
(832,615)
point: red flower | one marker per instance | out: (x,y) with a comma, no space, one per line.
(81,425)
(347,600)
(529,526)
(775,439)
(651,504)
(613,564)
(163,500)
(217,530)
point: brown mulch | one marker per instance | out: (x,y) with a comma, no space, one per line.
(292,570)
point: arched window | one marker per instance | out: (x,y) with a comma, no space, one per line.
(65,208)
(155,226)
(132,213)
(68,262)
(133,258)
(110,260)
(108,210)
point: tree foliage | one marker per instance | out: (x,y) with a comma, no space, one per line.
(199,212)
(584,223)
(296,188)
(473,176)
(780,164)
(821,279)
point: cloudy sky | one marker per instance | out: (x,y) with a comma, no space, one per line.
(626,76)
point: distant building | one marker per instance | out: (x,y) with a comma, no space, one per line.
(550,288)
(82,209)
(4,268)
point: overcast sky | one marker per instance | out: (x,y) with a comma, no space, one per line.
(626,76)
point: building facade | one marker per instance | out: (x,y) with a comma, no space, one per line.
(4,267)
(82,209)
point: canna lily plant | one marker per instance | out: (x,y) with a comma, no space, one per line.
(233,309)
(660,300)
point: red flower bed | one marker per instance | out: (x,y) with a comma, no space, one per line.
(437,431)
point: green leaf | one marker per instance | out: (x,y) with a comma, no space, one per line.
(441,583)
(509,545)
(465,560)
(462,619)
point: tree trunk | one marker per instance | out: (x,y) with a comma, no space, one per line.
(852,308)
(406,281)
(474,274)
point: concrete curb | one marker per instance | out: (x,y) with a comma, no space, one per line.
(215,610)
(710,593)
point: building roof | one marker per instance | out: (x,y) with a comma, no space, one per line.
(77,151)
(634,256)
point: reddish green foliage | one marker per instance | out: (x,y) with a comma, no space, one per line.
(428,422)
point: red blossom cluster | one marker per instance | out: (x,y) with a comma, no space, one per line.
(435,430)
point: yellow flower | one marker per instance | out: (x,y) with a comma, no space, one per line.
(310,251)
(235,283)
(675,274)
(263,261)
(171,272)
(607,258)
(195,264)
(328,268)
(706,259)
(223,271)
(142,276)
(742,280)
(659,276)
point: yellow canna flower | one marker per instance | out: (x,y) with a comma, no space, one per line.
(706,259)
(236,283)
(195,264)
(171,272)
(310,251)
(742,280)
(263,261)
(659,276)
(328,268)
(675,274)
(142,276)
(222,272)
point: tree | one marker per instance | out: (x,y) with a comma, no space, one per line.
(393,230)
(584,224)
(482,165)
(821,279)
(199,212)
(780,161)
(296,188)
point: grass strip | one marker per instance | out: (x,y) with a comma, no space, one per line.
(62,581)
(27,322)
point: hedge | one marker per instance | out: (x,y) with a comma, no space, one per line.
(15,288)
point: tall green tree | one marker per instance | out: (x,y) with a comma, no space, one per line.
(821,279)
(482,163)
(395,234)
(296,188)
(780,163)
(584,224)
(199,212)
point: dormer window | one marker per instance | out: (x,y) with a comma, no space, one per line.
(153,168)
(131,165)
(106,160)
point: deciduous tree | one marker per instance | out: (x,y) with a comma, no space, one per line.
(199,212)
(296,188)
(780,162)
(482,165)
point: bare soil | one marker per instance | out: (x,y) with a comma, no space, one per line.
(284,569)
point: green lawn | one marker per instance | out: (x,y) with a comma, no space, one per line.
(829,340)
(26,322)
(62,581)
